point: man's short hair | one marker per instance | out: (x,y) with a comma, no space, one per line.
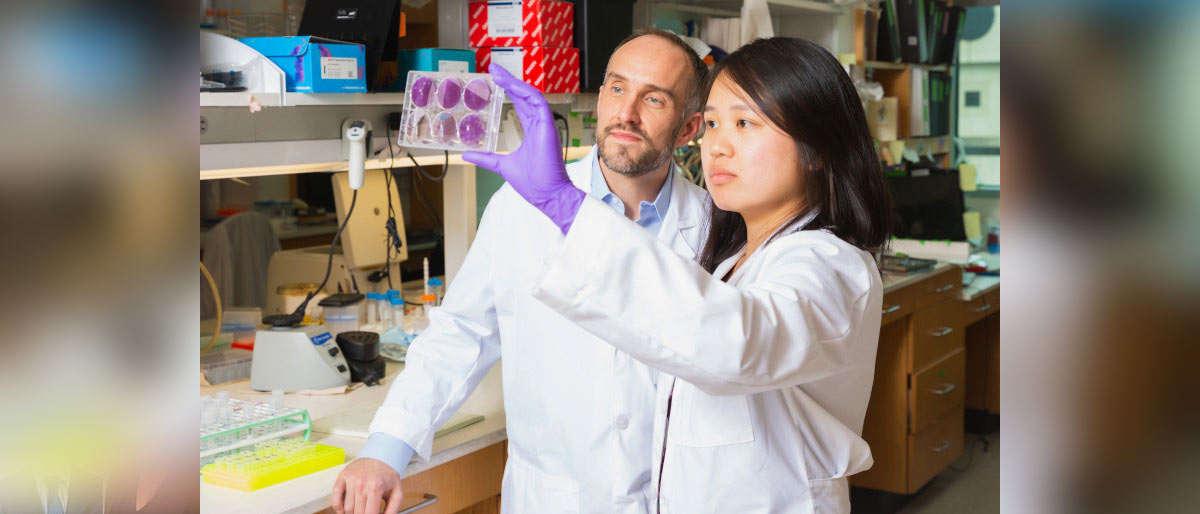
(699,71)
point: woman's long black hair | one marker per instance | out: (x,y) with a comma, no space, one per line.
(804,91)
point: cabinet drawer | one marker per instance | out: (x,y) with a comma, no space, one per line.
(457,484)
(982,306)
(945,284)
(896,305)
(930,451)
(936,332)
(937,390)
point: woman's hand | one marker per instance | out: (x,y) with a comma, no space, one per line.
(535,170)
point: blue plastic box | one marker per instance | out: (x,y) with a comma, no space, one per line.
(394,76)
(315,65)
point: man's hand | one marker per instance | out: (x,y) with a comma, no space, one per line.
(364,485)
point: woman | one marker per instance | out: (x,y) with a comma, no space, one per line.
(766,349)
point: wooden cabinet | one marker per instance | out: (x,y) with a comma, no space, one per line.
(934,448)
(936,332)
(936,391)
(914,421)
(458,484)
(467,485)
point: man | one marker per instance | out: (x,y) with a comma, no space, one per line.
(579,414)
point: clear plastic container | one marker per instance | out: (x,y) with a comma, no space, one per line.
(241,323)
(226,366)
(341,319)
(372,312)
(397,312)
(437,288)
(345,317)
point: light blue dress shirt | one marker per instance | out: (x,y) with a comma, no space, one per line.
(397,453)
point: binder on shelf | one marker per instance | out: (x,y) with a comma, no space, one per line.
(887,39)
(934,12)
(918,125)
(870,24)
(910,21)
(947,36)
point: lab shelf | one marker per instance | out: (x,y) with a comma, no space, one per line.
(242,99)
(384,162)
(733,8)
(901,66)
(925,145)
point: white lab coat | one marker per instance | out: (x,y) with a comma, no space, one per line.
(579,413)
(774,368)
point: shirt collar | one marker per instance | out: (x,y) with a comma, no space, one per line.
(661,202)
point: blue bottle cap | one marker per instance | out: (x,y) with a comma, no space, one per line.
(393,293)
(397,301)
(435,281)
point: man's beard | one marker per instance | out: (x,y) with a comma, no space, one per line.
(632,165)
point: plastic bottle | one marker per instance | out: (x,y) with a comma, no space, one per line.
(372,315)
(384,309)
(437,289)
(398,313)
(427,304)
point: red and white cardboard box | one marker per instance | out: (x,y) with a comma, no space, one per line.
(510,23)
(550,70)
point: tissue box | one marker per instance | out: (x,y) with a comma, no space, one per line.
(393,76)
(550,70)
(507,23)
(315,65)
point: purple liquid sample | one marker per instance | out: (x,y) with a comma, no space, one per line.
(449,93)
(477,94)
(471,130)
(444,128)
(420,91)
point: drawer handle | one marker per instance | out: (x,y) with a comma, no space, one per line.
(891,309)
(429,500)
(945,331)
(945,389)
(945,446)
(944,288)
(982,308)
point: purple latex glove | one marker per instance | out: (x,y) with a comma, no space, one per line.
(535,170)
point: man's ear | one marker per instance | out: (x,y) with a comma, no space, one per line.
(690,129)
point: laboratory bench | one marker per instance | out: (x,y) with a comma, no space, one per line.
(938,359)
(464,471)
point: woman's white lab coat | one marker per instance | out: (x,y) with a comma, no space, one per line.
(771,371)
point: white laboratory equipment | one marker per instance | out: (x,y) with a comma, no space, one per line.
(295,358)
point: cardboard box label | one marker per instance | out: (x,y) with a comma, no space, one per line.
(504,19)
(453,66)
(512,60)
(339,68)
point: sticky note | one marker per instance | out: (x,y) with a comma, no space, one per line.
(966,177)
(971,225)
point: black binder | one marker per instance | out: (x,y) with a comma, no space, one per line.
(887,42)
(910,20)
(948,35)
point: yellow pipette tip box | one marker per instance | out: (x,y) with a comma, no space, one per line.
(272,464)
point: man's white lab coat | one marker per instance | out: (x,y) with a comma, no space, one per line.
(579,413)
